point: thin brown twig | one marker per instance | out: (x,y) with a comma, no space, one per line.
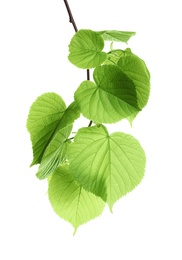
(71,20)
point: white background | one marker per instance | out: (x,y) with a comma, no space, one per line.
(145,224)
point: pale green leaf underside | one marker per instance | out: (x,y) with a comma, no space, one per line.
(47,115)
(70,201)
(86,49)
(107,165)
(111,98)
(55,153)
(116,36)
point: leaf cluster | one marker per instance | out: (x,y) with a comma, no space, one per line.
(91,168)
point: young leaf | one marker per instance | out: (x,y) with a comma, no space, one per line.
(136,70)
(47,115)
(70,201)
(86,49)
(116,36)
(55,153)
(111,99)
(113,57)
(107,165)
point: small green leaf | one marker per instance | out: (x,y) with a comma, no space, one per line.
(86,49)
(135,68)
(116,36)
(47,115)
(70,201)
(111,99)
(107,165)
(55,153)
(113,57)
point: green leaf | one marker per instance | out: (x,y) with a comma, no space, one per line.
(113,57)
(70,201)
(135,68)
(131,118)
(107,165)
(55,153)
(71,113)
(86,49)
(111,99)
(116,36)
(47,115)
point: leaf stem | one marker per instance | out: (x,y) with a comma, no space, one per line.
(71,20)
(88,74)
(90,123)
(70,138)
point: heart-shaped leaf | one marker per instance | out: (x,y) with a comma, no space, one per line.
(107,165)
(86,49)
(111,98)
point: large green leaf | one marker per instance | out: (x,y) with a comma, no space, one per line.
(47,115)
(136,69)
(116,36)
(55,153)
(111,99)
(86,49)
(107,165)
(70,201)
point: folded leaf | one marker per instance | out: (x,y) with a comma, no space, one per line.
(86,49)
(111,98)
(70,115)
(55,153)
(107,165)
(47,115)
(70,201)
(116,36)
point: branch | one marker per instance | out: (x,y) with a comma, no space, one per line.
(71,20)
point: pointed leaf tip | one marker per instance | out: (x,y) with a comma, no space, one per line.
(70,201)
